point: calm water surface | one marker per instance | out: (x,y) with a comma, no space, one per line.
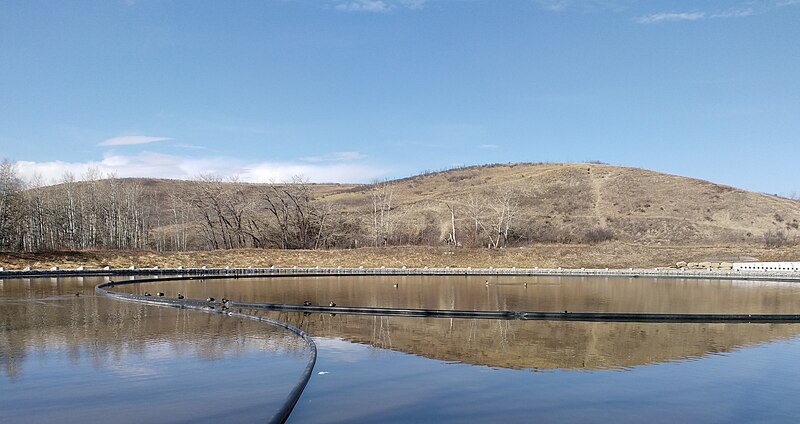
(400,369)
(68,358)
(578,294)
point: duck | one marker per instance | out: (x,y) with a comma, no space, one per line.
(161,294)
(332,304)
(396,285)
(525,285)
(210,299)
(147,294)
(306,303)
(180,296)
(77,294)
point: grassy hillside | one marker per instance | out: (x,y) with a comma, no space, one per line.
(509,205)
(559,202)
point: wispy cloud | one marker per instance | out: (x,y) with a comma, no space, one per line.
(157,165)
(131,139)
(191,146)
(585,5)
(669,17)
(413,4)
(734,13)
(554,5)
(488,146)
(743,10)
(373,6)
(379,6)
(335,157)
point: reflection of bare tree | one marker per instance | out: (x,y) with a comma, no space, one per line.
(502,332)
(381,332)
(472,332)
(103,331)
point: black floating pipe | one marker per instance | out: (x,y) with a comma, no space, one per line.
(350,310)
(282,414)
(665,318)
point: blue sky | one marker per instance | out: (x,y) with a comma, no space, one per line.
(353,90)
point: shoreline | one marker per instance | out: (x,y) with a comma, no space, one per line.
(614,255)
(715,274)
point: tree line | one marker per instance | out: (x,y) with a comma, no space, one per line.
(106,212)
(97,212)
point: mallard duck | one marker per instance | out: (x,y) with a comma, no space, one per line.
(147,294)
(210,299)
(306,303)
(180,296)
(161,294)
(333,304)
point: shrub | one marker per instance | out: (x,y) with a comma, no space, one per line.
(775,239)
(598,235)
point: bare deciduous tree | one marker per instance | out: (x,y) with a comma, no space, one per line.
(476,209)
(382,195)
(300,221)
(11,206)
(503,207)
(451,237)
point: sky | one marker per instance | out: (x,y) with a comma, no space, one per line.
(359,90)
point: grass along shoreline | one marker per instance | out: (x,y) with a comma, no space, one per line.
(604,255)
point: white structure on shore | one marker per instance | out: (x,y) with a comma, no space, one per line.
(766,266)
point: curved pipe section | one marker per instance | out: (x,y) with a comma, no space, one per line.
(282,414)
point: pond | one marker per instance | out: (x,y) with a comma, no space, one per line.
(82,356)
(69,358)
(577,294)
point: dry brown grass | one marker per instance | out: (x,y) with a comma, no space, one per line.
(561,201)
(608,254)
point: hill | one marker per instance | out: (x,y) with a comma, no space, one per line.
(563,202)
(506,205)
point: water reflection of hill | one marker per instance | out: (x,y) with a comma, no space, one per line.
(576,294)
(44,314)
(541,344)
(50,315)
(517,344)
